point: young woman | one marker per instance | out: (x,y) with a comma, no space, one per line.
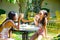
(22,20)
(40,21)
(7,25)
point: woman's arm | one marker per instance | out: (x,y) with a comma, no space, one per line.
(19,18)
(10,23)
(23,20)
(36,21)
(45,28)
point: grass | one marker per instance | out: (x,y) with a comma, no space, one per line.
(18,36)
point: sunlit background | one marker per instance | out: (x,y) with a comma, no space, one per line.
(30,8)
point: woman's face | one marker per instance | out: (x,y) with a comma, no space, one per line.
(41,14)
(15,17)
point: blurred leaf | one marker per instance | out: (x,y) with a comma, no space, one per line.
(2,11)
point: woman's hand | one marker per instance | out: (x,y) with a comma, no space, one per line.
(19,18)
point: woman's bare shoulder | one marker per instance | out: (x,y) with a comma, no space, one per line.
(9,21)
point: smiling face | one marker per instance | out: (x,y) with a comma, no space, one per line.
(15,17)
(41,14)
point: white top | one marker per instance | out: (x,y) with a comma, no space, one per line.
(4,33)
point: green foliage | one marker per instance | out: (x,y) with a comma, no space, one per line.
(2,18)
(31,16)
(34,6)
(56,38)
(17,35)
(2,11)
(12,1)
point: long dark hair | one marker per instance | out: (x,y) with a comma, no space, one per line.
(46,10)
(46,15)
(11,14)
(42,21)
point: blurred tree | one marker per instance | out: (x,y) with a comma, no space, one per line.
(2,11)
(22,4)
(26,6)
(37,5)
